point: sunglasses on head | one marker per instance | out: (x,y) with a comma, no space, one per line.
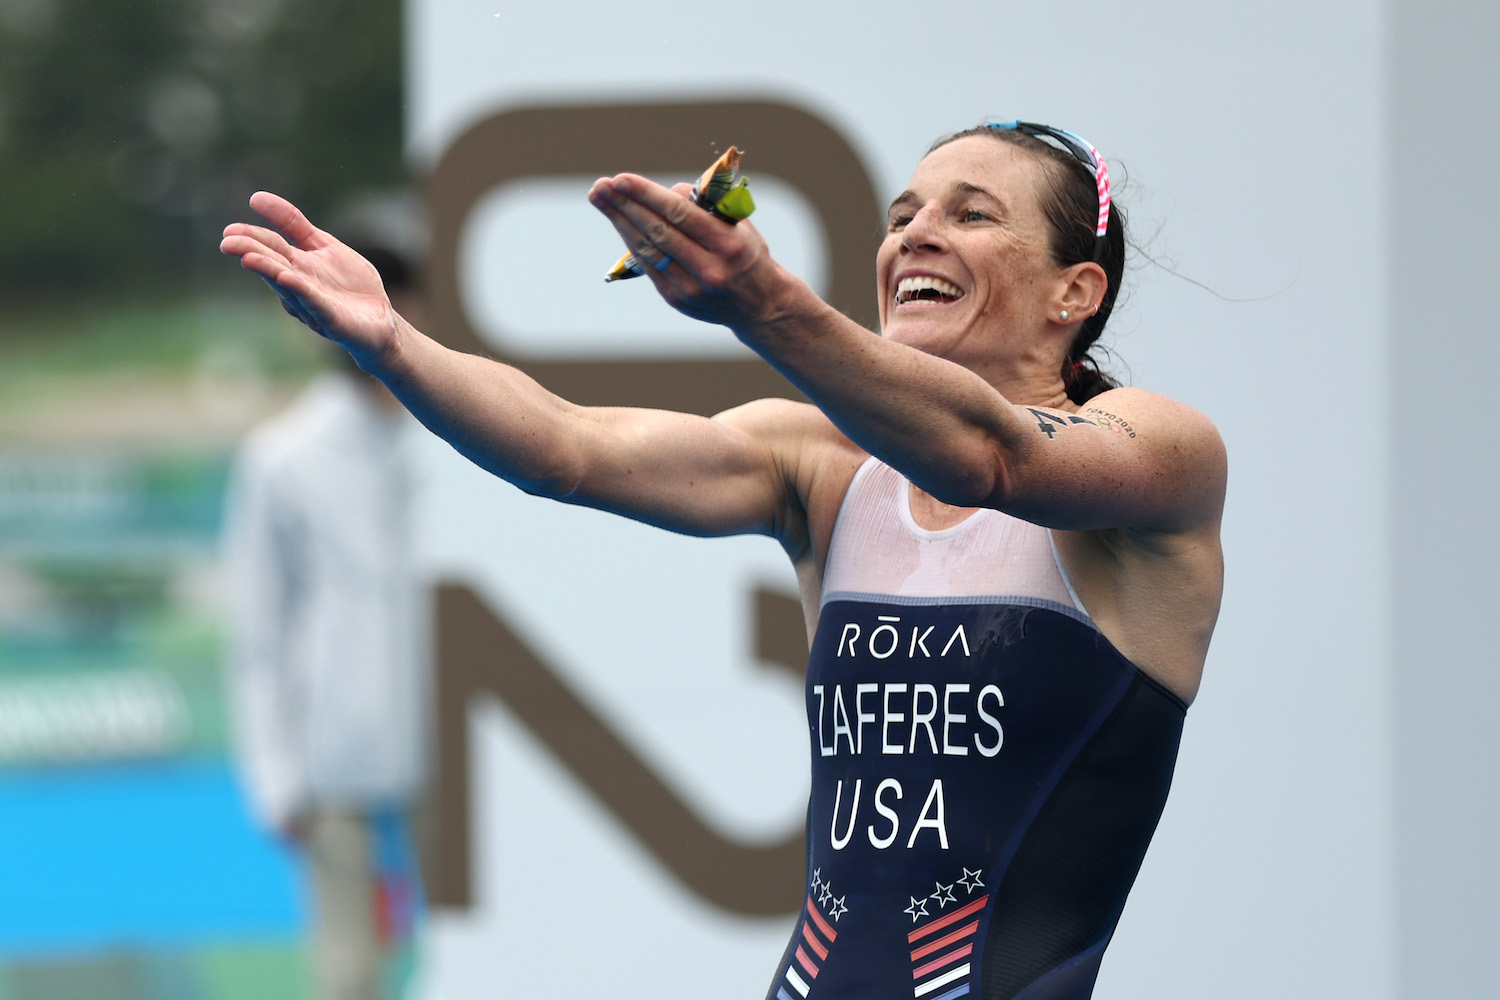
(1083,152)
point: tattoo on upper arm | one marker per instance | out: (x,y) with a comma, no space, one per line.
(1050,423)
(1115,423)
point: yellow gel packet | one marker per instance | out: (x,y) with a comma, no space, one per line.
(736,203)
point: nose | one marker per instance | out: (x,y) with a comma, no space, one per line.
(925,230)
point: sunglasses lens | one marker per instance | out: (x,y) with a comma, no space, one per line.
(1067,140)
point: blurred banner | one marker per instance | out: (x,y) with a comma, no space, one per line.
(130,868)
(126,855)
(132,358)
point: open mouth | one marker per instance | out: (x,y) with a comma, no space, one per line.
(926,289)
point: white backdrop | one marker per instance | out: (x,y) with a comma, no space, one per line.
(1249,139)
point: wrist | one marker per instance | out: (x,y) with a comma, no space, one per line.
(789,315)
(392,359)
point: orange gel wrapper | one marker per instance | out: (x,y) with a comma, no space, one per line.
(718,178)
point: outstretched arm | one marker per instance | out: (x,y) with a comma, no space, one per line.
(1144,461)
(683,472)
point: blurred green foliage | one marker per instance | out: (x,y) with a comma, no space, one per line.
(131,131)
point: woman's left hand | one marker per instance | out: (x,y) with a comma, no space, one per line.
(704,267)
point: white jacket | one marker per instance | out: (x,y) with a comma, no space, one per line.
(327,668)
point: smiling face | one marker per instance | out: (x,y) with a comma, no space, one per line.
(965,271)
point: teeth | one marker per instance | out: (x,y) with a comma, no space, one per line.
(908,289)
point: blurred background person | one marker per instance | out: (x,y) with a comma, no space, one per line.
(130,371)
(327,671)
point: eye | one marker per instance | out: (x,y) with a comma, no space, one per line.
(972,215)
(898,222)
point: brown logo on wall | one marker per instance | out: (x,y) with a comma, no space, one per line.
(658,139)
(478,654)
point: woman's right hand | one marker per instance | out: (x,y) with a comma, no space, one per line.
(319,280)
(701,265)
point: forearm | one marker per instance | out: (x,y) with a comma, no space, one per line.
(678,471)
(493,414)
(681,471)
(938,423)
(942,425)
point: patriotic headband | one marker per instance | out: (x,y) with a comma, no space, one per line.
(1081,151)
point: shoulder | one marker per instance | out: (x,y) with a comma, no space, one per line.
(1165,422)
(1179,445)
(1116,406)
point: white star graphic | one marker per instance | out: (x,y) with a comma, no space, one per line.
(839,909)
(970,880)
(944,895)
(817,877)
(825,895)
(917,909)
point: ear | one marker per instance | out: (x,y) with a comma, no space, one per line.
(1080,291)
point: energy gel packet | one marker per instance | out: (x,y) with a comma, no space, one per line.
(718,192)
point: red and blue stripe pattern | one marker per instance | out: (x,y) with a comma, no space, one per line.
(942,952)
(815,937)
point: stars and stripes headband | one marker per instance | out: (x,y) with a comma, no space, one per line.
(1082,151)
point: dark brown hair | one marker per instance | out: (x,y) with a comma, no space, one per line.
(1071,207)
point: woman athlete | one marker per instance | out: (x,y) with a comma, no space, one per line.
(1010,567)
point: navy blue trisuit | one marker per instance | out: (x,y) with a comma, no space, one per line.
(987,769)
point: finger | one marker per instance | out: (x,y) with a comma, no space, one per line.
(296,304)
(648,255)
(253,260)
(671,279)
(633,236)
(276,273)
(645,232)
(657,265)
(299,285)
(288,301)
(269,238)
(672,206)
(287,219)
(239,246)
